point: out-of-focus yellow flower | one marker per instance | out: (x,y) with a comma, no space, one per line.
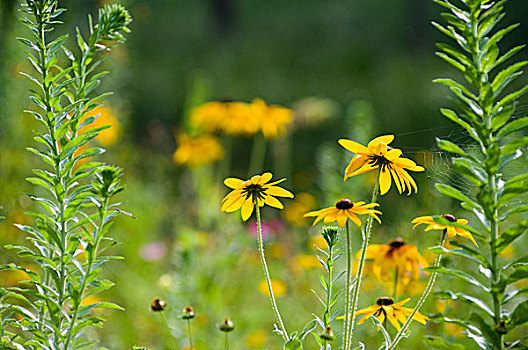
(303,262)
(197,151)
(317,241)
(344,210)
(255,191)
(394,312)
(451,229)
(277,250)
(241,119)
(11,278)
(376,155)
(231,117)
(106,137)
(453,329)
(294,212)
(508,252)
(279,287)
(396,255)
(256,339)
(272,119)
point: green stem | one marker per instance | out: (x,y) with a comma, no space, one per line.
(226,342)
(189,332)
(395,286)
(97,239)
(364,246)
(274,307)
(348,288)
(423,298)
(258,154)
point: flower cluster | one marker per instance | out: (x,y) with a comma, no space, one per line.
(196,151)
(242,119)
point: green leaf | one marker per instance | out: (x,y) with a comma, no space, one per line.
(486,330)
(293,344)
(519,315)
(513,189)
(520,273)
(456,194)
(513,126)
(384,332)
(502,117)
(510,235)
(361,346)
(310,326)
(441,343)
(450,147)
(451,115)
(457,273)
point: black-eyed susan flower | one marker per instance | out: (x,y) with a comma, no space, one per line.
(395,313)
(396,255)
(196,151)
(451,230)
(377,154)
(343,210)
(255,191)
(272,119)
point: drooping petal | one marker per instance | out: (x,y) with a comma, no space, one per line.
(392,320)
(364,168)
(465,234)
(342,218)
(247,209)
(273,202)
(234,205)
(393,154)
(353,217)
(357,162)
(384,181)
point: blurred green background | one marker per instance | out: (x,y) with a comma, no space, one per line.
(347,69)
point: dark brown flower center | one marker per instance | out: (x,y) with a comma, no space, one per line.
(385,301)
(344,204)
(397,243)
(449,217)
(380,161)
(254,190)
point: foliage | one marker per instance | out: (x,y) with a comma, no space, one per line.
(486,107)
(69,236)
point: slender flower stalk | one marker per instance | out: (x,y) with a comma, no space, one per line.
(423,298)
(395,285)
(348,288)
(274,307)
(189,332)
(355,294)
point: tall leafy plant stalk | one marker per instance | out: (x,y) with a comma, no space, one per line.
(69,235)
(486,104)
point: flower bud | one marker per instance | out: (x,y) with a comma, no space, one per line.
(328,334)
(158,304)
(188,313)
(227,325)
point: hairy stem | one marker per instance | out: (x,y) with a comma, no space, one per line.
(348,288)
(423,298)
(267,277)
(359,274)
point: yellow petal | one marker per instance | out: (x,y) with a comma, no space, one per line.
(384,181)
(265,178)
(342,218)
(273,202)
(385,138)
(247,209)
(232,206)
(233,182)
(353,217)
(278,191)
(353,146)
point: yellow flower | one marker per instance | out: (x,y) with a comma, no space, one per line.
(395,313)
(257,190)
(106,137)
(451,230)
(345,209)
(376,155)
(279,287)
(293,213)
(303,262)
(272,119)
(396,254)
(256,339)
(197,151)
(231,117)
